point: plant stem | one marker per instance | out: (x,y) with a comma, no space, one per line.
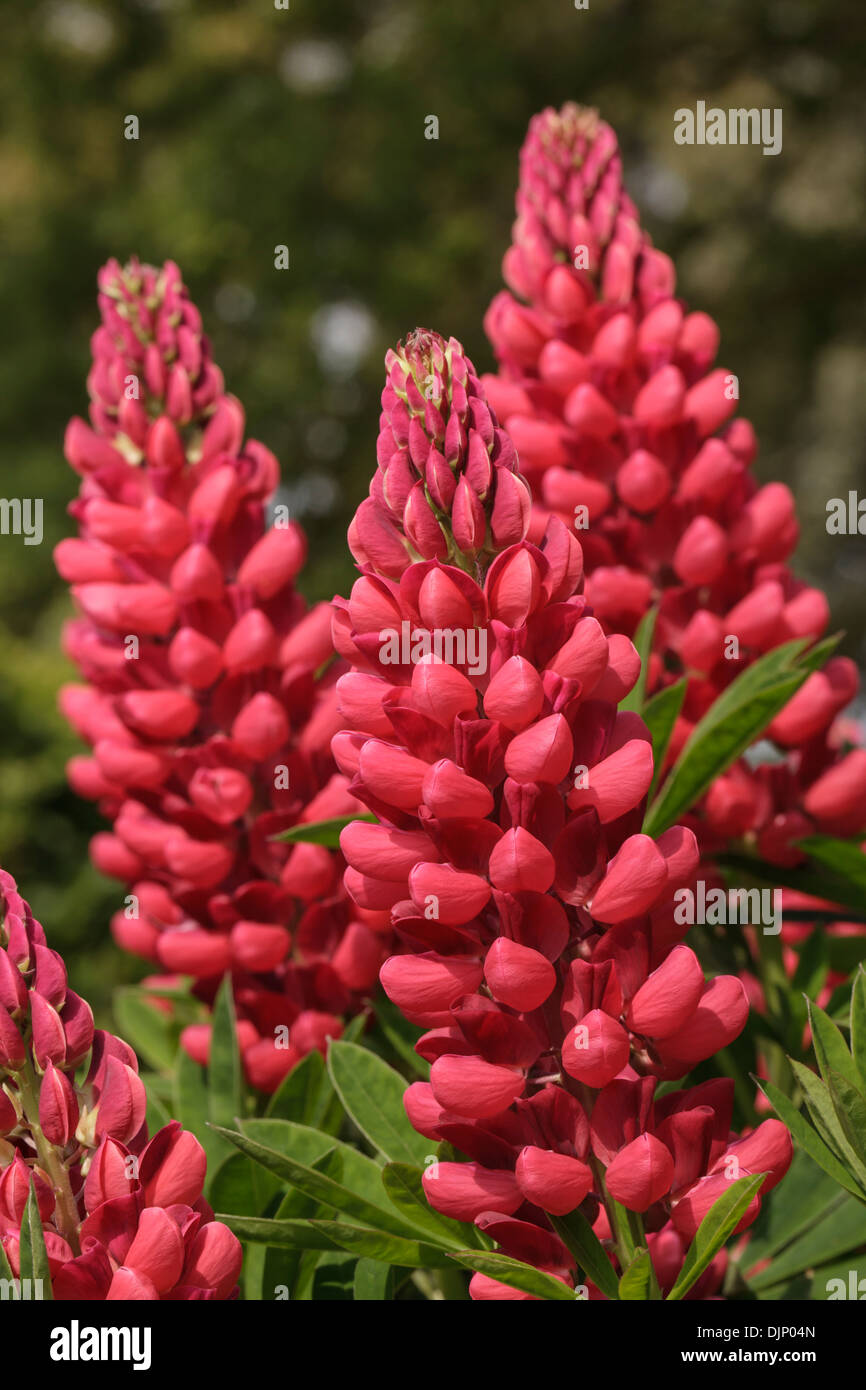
(66,1209)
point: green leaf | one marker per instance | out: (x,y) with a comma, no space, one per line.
(32,1255)
(358,1172)
(317,1185)
(576,1233)
(643,641)
(840,857)
(191,1109)
(224,1076)
(801,1199)
(816,656)
(850,1106)
(374,1281)
(147,1029)
(826,1119)
(5,1267)
(401,1034)
(333,1280)
(372,1093)
(814,883)
(383,1246)
(819,1290)
(158,1113)
(660,714)
(307,1096)
(636,1283)
(516,1274)
(781,661)
(721,1219)
(716,743)
(812,965)
(404,1188)
(830,1048)
(858,1023)
(289,1235)
(237,1185)
(320,832)
(295,1098)
(842,1230)
(809,1139)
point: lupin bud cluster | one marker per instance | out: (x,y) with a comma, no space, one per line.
(208,721)
(446,486)
(626,429)
(123,1216)
(539,947)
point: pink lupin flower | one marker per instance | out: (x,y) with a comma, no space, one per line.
(208,725)
(122,1216)
(628,432)
(533,915)
(446,482)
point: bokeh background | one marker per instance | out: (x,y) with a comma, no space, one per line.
(262,126)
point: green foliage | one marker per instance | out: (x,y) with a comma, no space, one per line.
(719,1223)
(32,1255)
(834,1135)
(236,155)
(734,721)
(292,1187)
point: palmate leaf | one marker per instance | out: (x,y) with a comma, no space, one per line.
(733,722)
(719,1223)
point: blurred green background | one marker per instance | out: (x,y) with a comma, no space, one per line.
(262,126)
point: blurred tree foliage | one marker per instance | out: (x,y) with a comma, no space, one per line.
(262,126)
